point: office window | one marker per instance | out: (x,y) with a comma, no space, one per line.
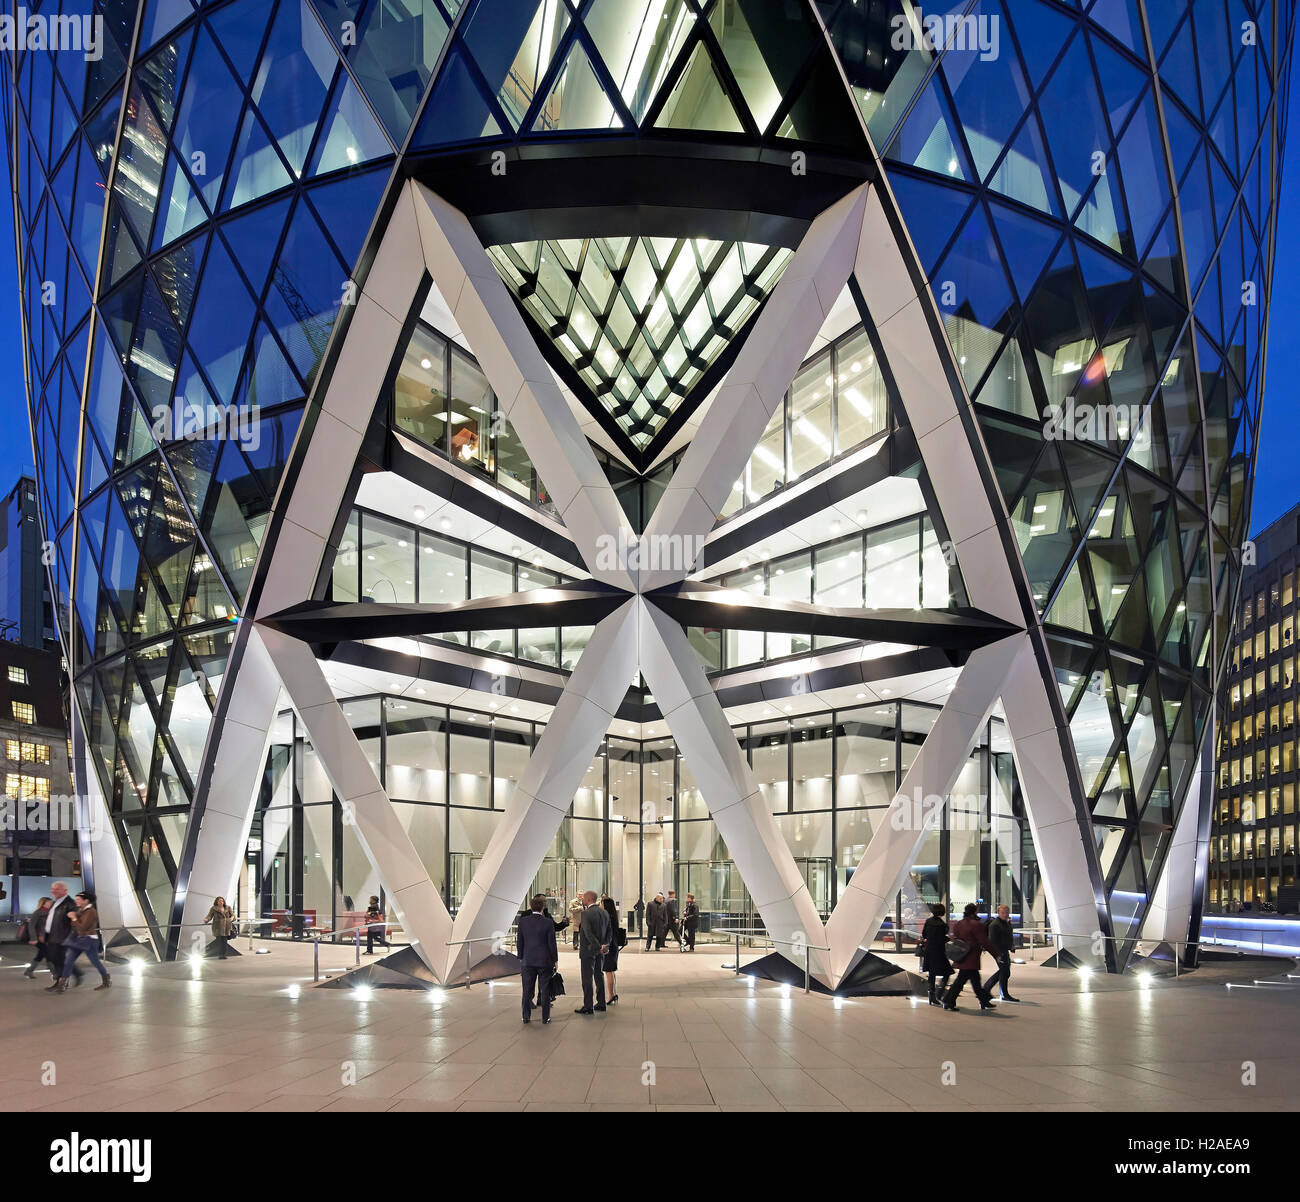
(17,675)
(13,749)
(24,712)
(20,785)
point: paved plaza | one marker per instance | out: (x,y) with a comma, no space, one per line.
(687,1034)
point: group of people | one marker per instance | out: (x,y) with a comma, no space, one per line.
(997,938)
(62,928)
(598,938)
(661,920)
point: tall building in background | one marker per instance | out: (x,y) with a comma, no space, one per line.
(26,615)
(1253,831)
(796,452)
(38,839)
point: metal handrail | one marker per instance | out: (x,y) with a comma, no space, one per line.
(469,967)
(808,949)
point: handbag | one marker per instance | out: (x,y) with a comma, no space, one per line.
(234,930)
(621,938)
(556,986)
(957,949)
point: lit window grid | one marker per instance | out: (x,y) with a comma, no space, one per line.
(24,752)
(18,784)
(640,354)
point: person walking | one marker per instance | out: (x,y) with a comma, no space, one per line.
(934,959)
(1002,937)
(690,921)
(84,938)
(639,910)
(611,957)
(36,934)
(670,918)
(375,926)
(656,922)
(222,918)
(538,955)
(595,937)
(971,932)
(58,928)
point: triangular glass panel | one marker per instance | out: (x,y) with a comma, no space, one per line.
(1009,386)
(223,315)
(293,80)
(392,50)
(253,238)
(138,176)
(208,117)
(639,45)
(256,168)
(351,134)
(513,47)
(179,273)
(932,213)
(1121,83)
(1041,29)
(983,308)
(338,201)
(698,100)
(1022,175)
(929,139)
(305,292)
(181,207)
(822,114)
(577,98)
(457,111)
(1027,245)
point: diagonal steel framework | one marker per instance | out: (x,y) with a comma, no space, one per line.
(640,611)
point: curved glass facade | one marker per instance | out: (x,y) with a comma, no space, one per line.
(1089,187)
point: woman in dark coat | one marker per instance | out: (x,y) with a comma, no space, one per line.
(971,932)
(934,936)
(611,956)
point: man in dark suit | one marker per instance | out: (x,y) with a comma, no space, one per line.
(595,934)
(1002,937)
(58,926)
(670,917)
(538,954)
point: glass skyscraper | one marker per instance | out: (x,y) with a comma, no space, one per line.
(493,446)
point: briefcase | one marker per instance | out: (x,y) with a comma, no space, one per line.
(556,986)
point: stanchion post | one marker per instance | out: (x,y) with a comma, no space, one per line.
(315,966)
(807,973)
(357,932)
(737,962)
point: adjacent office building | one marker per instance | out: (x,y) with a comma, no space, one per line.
(795,452)
(26,614)
(1253,833)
